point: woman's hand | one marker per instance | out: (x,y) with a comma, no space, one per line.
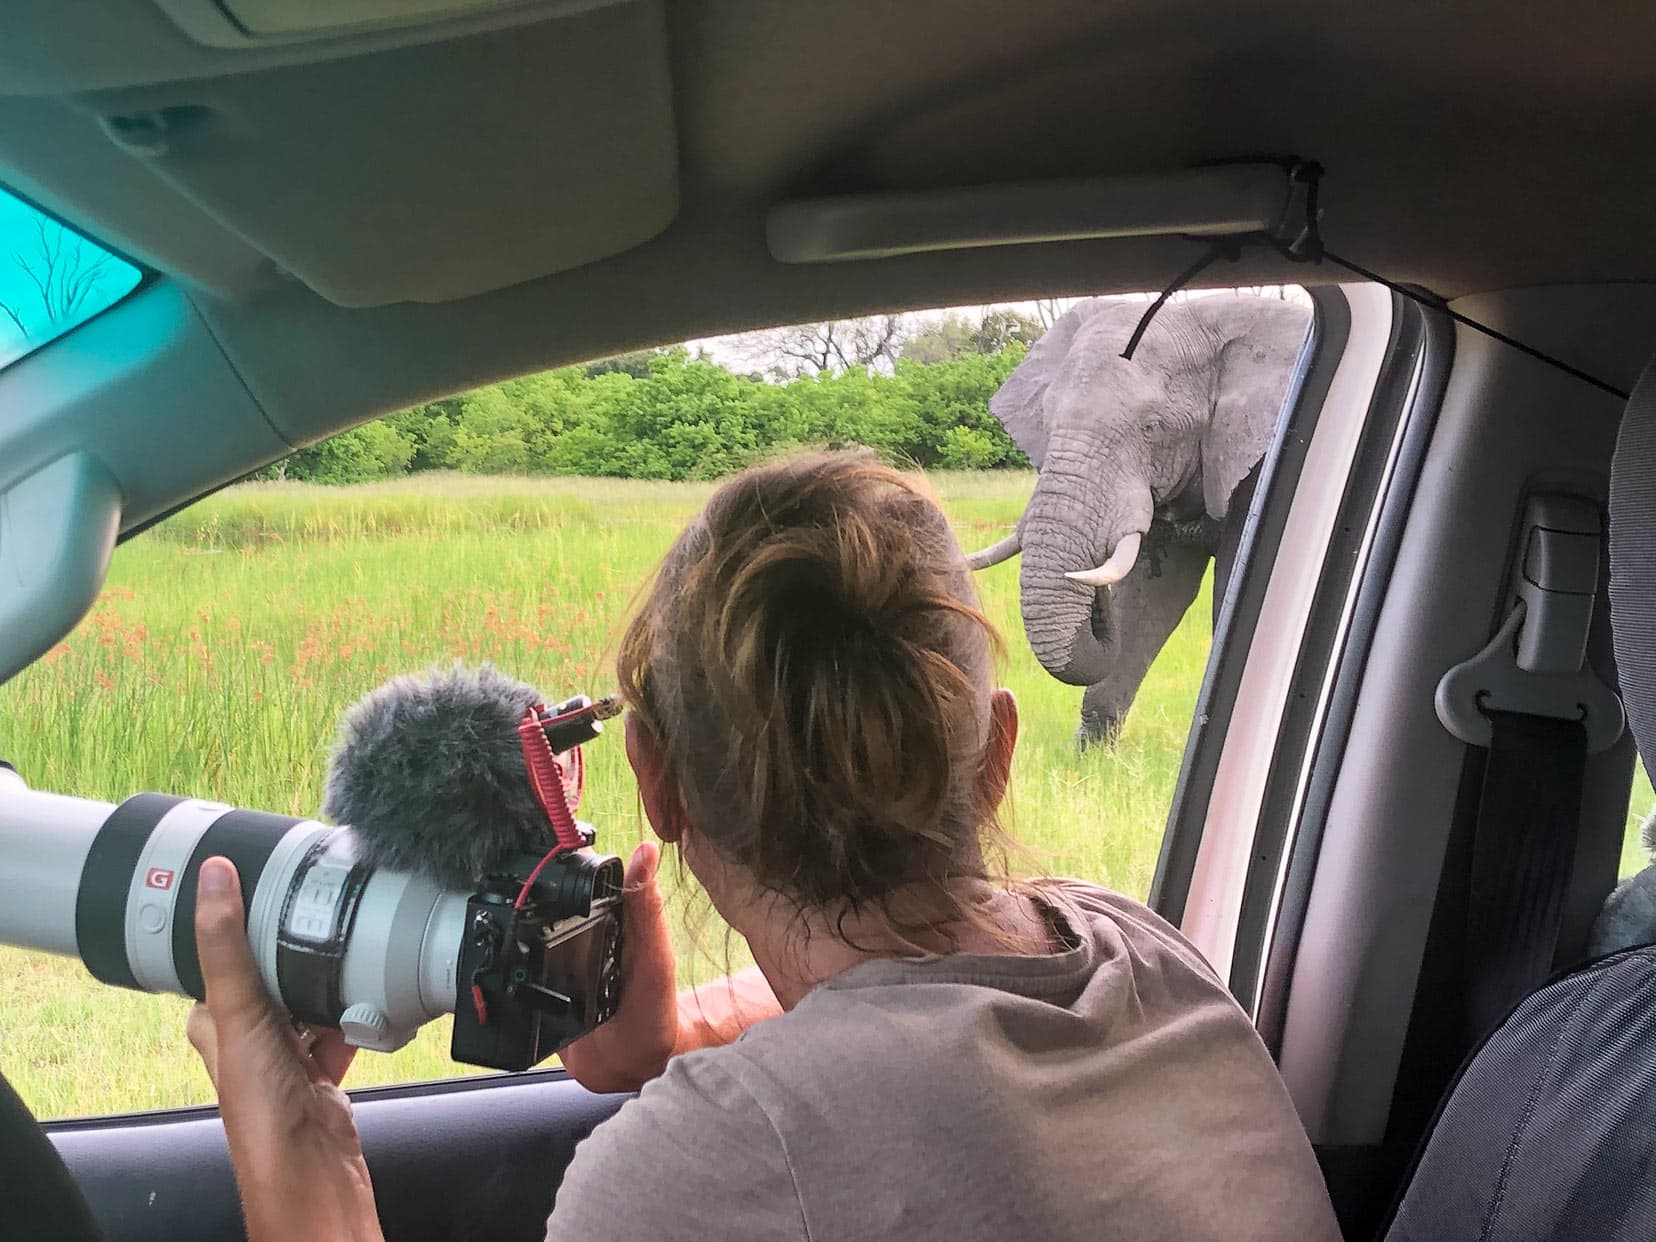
(295,1149)
(633,1046)
(655,1020)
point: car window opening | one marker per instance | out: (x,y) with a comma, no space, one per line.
(52,279)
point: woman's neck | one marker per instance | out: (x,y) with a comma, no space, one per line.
(796,950)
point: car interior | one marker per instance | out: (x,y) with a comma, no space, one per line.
(340,211)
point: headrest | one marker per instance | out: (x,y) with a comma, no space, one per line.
(1633,562)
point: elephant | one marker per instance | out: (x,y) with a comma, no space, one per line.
(1146,470)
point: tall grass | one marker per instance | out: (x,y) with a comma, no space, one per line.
(229,639)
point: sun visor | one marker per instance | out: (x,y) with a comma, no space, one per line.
(429,173)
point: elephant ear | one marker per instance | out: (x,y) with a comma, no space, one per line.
(1019,403)
(1263,338)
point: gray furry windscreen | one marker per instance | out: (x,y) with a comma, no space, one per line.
(429,771)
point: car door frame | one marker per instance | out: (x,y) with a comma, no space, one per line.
(1351,434)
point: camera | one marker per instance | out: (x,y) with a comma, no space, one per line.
(539,976)
(527,959)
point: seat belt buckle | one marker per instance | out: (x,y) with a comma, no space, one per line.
(1536,664)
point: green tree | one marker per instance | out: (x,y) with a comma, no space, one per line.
(662,414)
(967,448)
(1000,329)
(956,394)
(635,364)
(363,454)
(492,434)
(839,411)
(954,336)
(951,337)
(430,428)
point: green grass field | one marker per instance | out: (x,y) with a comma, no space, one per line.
(229,639)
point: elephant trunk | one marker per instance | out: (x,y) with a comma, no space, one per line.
(1073,530)
(1001,550)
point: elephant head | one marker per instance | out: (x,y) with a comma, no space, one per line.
(1168,435)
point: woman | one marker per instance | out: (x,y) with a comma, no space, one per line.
(926,1050)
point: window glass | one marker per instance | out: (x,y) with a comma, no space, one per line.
(51,279)
(515,524)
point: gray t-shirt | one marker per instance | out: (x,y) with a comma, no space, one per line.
(1110,1090)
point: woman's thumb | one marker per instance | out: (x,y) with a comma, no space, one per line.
(639,888)
(227,967)
(649,948)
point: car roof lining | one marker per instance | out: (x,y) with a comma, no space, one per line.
(752,102)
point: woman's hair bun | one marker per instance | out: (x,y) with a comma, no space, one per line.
(813,663)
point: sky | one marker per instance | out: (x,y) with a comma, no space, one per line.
(20,255)
(737,351)
(743,351)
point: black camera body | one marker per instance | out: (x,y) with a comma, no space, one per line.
(540,964)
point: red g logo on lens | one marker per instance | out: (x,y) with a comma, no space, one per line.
(158,877)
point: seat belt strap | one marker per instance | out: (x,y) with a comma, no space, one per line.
(1523,853)
(1533,700)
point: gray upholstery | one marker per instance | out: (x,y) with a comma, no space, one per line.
(1550,1133)
(1629,914)
(1633,562)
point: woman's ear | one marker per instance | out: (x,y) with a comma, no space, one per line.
(663,803)
(996,772)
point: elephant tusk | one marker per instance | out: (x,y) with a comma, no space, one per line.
(1113,570)
(995,553)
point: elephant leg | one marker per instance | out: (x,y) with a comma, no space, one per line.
(1148,605)
(1230,536)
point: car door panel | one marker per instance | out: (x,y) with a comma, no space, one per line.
(451,1161)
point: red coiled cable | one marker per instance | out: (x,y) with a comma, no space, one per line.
(556,797)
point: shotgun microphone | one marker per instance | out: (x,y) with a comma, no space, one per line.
(430,773)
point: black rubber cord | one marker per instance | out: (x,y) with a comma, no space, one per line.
(1307,247)
(1436,302)
(1224,248)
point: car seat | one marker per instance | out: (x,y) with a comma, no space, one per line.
(1550,1133)
(38,1197)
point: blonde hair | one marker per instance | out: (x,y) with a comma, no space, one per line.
(813,664)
